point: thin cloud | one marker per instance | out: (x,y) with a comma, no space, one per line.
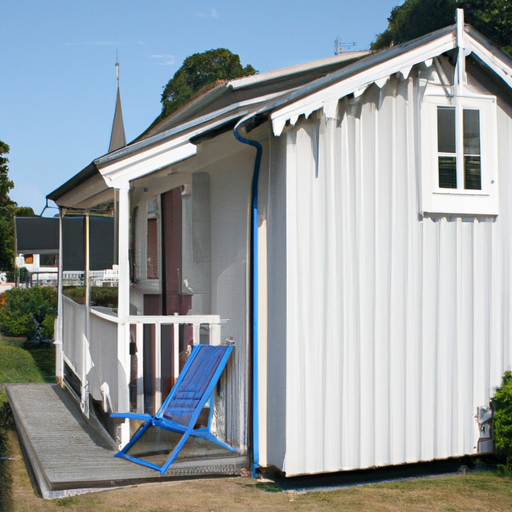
(93,43)
(164,59)
(213,14)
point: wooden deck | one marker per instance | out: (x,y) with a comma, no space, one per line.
(67,455)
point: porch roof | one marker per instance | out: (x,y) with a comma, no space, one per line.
(84,190)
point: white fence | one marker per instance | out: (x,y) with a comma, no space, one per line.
(110,373)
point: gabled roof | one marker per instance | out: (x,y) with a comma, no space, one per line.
(284,95)
(224,93)
(376,69)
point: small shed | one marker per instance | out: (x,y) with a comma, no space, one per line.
(345,225)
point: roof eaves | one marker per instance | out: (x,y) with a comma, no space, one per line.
(185,131)
(326,92)
(79,178)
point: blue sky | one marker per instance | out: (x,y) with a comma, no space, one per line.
(57,66)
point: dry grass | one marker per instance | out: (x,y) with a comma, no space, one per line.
(472,492)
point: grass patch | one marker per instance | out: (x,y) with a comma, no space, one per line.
(23,361)
(268,487)
(20,362)
(66,502)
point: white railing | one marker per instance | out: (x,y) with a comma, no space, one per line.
(105,367)
(195,323)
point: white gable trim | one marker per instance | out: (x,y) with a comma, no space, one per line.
(378,73)
(490,60)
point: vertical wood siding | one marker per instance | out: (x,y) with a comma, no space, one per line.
(397,324)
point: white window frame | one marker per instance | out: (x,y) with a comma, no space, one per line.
(459,201)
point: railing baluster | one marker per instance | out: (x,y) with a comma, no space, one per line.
(197,333)
(158,366)
(176,350)
(214,334)
(139,340)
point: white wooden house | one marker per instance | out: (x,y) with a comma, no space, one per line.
(346,225)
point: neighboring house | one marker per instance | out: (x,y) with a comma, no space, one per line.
(37,248)
(346,225)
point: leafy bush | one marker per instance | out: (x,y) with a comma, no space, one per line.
(104,296)
(23,309)
(502,423)
(47,326)
(78,291)
(100,295)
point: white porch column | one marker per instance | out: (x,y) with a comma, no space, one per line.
(59,360)
(123,311)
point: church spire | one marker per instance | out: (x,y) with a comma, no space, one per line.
(117,137)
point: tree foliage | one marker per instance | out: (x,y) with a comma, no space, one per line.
(22,310)
(7,211)
(198,71)
(414,18)
(502,423)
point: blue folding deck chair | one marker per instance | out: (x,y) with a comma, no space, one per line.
(182,407)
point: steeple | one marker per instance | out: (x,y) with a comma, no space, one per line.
(117,137)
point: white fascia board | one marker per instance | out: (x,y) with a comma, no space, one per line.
(489,59)
(151,160)
(325,97)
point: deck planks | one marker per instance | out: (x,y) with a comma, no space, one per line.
(68,455)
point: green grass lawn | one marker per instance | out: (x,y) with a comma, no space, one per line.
(20,361)
(23,361)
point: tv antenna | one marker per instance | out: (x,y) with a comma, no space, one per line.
(339,45)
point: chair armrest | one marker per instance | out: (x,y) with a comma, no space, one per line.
(131,415)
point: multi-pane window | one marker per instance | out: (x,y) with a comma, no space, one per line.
(459,162)
(459,154)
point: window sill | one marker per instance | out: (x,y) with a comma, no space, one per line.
(464,202)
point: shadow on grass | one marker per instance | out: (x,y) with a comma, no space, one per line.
(43,355)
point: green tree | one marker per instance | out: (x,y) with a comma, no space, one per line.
(502,423)
(198,71)
(415,18)
(7,211)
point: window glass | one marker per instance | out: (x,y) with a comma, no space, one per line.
(447,172)
(472,163)
(471,132)
(472,174)
(446,130)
